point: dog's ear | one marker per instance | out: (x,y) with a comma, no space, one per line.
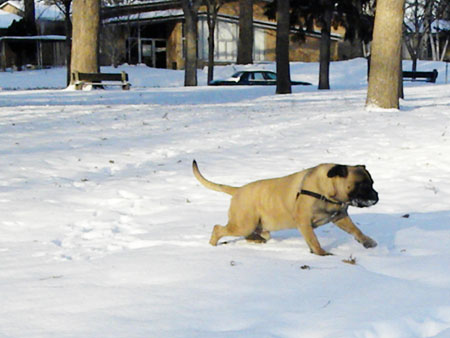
(338,170)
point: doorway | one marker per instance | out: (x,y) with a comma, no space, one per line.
(150,51)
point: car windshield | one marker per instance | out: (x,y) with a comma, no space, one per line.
(236,75)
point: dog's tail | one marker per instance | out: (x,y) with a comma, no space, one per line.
(211,185)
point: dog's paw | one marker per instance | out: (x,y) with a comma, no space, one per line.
(321,252)
(368,242)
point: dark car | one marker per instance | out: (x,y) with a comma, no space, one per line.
(252,78)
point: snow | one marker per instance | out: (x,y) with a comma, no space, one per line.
(439,25)
(6,19)
(104,230)
(148,15)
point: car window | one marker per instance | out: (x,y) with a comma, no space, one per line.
(243,77)
(258,76)
(270,76)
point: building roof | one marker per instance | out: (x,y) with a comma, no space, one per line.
(42,11)
(153,15)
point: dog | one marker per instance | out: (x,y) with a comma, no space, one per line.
(303,200)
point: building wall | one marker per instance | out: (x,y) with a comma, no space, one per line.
(307,50)
(227,38)
(12,9)
(113,45)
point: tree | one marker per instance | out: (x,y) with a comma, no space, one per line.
(282,48)
(30,16)
(85,43)
(306,15)
(65,7)
(386,52)
(111,47)
(24,27)
(212,9)
(190,10)
(417,24)
(439,36)
(325,43)
(245,42)
(422,28)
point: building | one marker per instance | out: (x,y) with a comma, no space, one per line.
(152,33)
(17,49)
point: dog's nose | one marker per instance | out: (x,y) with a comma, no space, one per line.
(375,197)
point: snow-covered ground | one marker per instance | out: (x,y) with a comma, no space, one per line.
(104,231)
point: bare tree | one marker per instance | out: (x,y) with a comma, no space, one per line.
(383,91)
(325,44)
(212,7)
(282,48)
(65,7)
(245,42)
(440,36)
(417,24)
(86,26)
(190,10)
(307,15)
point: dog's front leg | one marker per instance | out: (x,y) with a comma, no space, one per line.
(347,225)
(311,239)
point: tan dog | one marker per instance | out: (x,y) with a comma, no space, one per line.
(303,200)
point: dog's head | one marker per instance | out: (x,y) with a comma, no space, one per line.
(354,185)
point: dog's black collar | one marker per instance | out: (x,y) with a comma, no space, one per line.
(319,197)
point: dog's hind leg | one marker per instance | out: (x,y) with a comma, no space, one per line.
(218,232)
(232,229)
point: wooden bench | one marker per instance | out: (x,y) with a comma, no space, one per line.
(427,76)
(100,80)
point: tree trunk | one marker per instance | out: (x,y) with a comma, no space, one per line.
(68,43)
(433,47)
(414,62)
(211,47)
(282,48)
(386,48)
(245,42)
(401,93)
(212,7)
(444,50)
(30,17)
(325,43)
(85,42)
(191,21)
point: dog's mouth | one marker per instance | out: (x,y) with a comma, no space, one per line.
(364,196)
(359,203)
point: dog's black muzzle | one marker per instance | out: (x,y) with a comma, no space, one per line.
(363,198)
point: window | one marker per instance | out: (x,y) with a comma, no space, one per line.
(270,76)
(226,41)
(259,44)
(258,76)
